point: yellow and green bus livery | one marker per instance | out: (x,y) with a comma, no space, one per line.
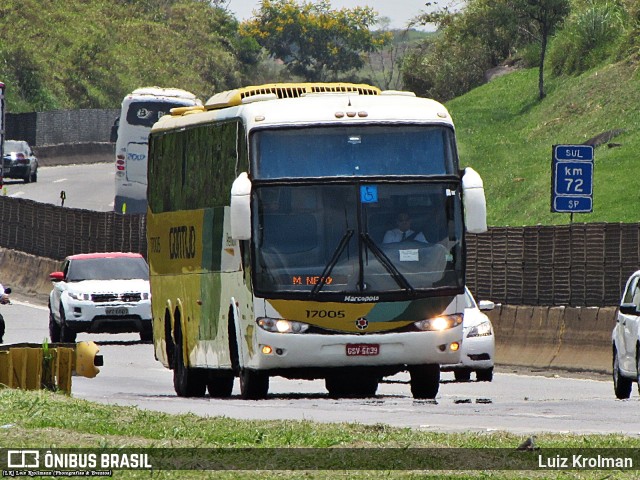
(308,231)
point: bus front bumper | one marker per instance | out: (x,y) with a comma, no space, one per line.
(274,351)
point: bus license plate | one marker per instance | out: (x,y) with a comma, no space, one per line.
(116,311)
(362,349)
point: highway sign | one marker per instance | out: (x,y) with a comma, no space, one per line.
(572,179)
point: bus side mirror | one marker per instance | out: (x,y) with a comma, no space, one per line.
(241,208)
(475,206)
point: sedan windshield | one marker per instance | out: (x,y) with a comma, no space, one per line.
(124,268)
(319,240)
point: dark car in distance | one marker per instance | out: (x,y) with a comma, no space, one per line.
(19,161)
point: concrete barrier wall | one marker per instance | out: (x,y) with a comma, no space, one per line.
(572,338)
(27,275)
(74,153)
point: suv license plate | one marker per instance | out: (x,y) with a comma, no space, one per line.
(362,349)
(116,311)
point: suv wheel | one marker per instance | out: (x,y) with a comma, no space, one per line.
(67,335)
(621,385)
(54,328)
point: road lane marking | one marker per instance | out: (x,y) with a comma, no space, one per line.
(60,180)
(28,304)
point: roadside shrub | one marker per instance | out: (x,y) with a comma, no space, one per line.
(443,71)
(590,36)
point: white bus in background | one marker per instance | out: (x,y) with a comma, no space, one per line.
(1,128)
(140,110)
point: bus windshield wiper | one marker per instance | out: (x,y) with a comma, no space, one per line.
(344,241)
(387,263)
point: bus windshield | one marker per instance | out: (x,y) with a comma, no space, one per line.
(144,113)
(358,150)
(391,239)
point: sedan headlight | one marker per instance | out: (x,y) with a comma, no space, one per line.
(440,323)
(79,296)
(481,330)
(279,325)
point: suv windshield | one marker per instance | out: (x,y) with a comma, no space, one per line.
(14,146)
(322,240)
(115,268)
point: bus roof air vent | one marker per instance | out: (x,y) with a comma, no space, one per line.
(232,98)
(401,93)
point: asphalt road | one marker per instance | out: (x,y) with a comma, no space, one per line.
(522,404)
(87,186)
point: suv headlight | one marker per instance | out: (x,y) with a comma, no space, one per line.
(279,325)
(440,323)
(481,330)
(79,296)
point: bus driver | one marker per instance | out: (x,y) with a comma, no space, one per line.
(403,231)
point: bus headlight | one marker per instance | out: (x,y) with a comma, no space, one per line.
(279,325)
(481,330)
(440,323)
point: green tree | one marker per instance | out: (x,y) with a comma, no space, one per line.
(468,43)
(544,16)
(314,41)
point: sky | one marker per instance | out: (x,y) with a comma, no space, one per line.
(398,11)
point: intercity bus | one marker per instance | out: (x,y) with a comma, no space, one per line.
(267,212)
(139,111)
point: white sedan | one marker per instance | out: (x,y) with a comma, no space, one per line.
(478,342)
(100,293)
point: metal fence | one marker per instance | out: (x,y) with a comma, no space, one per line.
(577,265)
(54,232)
(585,264)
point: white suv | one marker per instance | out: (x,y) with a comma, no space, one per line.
(100,293)
(626,338)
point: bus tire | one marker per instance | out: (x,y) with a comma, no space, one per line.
(341,386)
(425,380)
(254,385)
(187,382)
(220,386)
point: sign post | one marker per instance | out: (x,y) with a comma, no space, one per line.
(572,179)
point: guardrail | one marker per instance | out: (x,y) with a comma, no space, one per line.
(31,366)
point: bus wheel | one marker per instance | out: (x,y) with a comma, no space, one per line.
(187,382)
(220,386)
(254,385)
(425,380)
(349,386)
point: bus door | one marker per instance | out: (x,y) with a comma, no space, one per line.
(137,162)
